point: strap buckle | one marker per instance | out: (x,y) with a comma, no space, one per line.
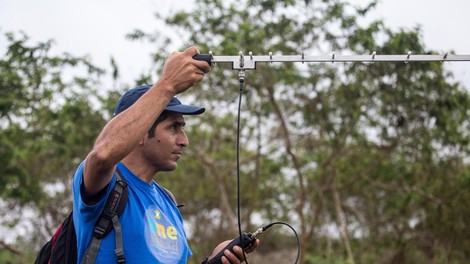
(98,232)
(120,255)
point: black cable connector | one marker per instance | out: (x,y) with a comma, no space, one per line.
(246,240)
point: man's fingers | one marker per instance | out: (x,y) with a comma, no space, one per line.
(231,257)
(203,65)
(191,51)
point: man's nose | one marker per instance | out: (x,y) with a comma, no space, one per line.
(183,139)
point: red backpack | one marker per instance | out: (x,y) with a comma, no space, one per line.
(62,248)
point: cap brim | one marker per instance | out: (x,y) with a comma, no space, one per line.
(186,109)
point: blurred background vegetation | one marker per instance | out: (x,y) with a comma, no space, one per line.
(369,162)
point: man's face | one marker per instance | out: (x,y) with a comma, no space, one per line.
(166,147)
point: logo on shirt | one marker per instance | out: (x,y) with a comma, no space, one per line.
(157,214)
(162,236)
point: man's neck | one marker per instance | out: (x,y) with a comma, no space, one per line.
(141,170)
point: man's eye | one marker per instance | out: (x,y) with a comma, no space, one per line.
(176,127)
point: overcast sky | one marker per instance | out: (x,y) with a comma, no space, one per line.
(97,27)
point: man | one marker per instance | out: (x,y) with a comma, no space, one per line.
(144,137)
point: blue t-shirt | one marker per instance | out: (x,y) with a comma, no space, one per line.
(152,226)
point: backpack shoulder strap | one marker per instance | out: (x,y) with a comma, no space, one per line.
(172,197)
(108,220)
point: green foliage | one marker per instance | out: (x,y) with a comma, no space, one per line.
(49,114)
(387,137)
(377,150)
(43,116)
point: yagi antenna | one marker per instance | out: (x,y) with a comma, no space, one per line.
(242,62)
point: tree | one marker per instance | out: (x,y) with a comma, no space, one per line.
(49,113)
(368,161)
(373,150)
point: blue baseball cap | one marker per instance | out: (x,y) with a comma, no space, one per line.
(175,105)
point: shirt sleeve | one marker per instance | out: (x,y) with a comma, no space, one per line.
(88,212)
